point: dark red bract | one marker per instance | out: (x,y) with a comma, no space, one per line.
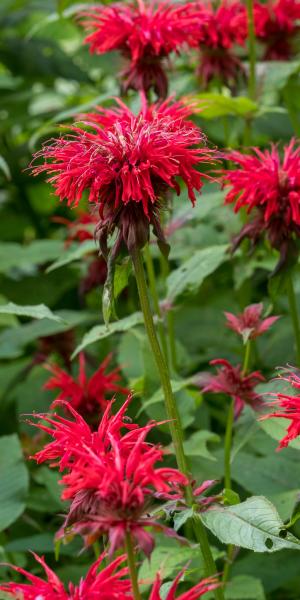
(127,163)
(111,583)
(276,25)
(231,381)
(268,187)
(145,33)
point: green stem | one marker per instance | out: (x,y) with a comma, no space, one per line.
(252,51)
(165,270)
(228,563)
(155,298)
(172,411)
(294,314)
(228,441)
(132,566)
(246,362)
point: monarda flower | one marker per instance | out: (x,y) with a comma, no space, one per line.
(201,588)
(288,408)
(127,163)
(269,188)
(87,395)
(110,477)
(277,25)
(145,33)
(220,30)
(249,324)
(111,583)
(231,381)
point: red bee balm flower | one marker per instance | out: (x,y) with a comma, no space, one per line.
(276,25)
(204,586)
(108,584)
(220,29)
(145,33)
(271,187)
(111,478)
(249,323)
(230,380)
(289,408)
(127,163)
(87,395)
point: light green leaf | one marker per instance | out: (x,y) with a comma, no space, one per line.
(244,587)
(14,480)
(5,168)
(214,105)
(73,253)
(276,429)
(182,517)
(158,396)
(253,524)
(196,445)
(39,311)
(101,331)
(23,257)
(190,275)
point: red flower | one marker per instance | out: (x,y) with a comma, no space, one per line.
(220,29)
(86,395)
(81,229)
(249,323)
(277,24)
(289,408)
(204,586)
(108,584)
(127,163)
(270,187)
(144,33)
(111,478)
(231,381)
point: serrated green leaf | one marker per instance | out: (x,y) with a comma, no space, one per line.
(101,331)
(73,253)
(23,257)
(39,311)
(253,524)
(14,480)
(190,275)
(196,445)
(214,105)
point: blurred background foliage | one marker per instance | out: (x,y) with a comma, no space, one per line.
(47,77)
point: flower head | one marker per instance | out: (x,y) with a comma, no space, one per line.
(220,29)
(288,408)
(269,187)
(127,163)
(201,588)
(145,33)
(276,25)
(87,395)
(249,323)
(231,381)
(110,477)
(110,583)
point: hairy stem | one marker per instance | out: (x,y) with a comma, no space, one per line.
(246,363)
(252,51)
(132,566)
(172,411)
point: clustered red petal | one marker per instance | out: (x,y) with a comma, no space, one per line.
(276,25)
(231,381)
(289,408)
(269,187)
(111,583)
(221,28)
(127,163)
(88,396)
(110,476)
(249,323)
(145,33)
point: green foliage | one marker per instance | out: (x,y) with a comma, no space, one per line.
(13,480)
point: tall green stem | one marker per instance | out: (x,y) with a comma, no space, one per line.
(247,354)
(132,566)
(228,442)
(155,298)
(172,411)
(294,314)
(252,51)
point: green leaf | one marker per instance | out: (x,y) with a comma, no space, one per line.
(39,311)
(190,275)
(23,257)
(158,396)
(277,429)
(73,253)
(214,105)
(244,587)
(196,445)
(253,524)
(168,560)
(182,517)
(5,168)
(14,480)
(102,331)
